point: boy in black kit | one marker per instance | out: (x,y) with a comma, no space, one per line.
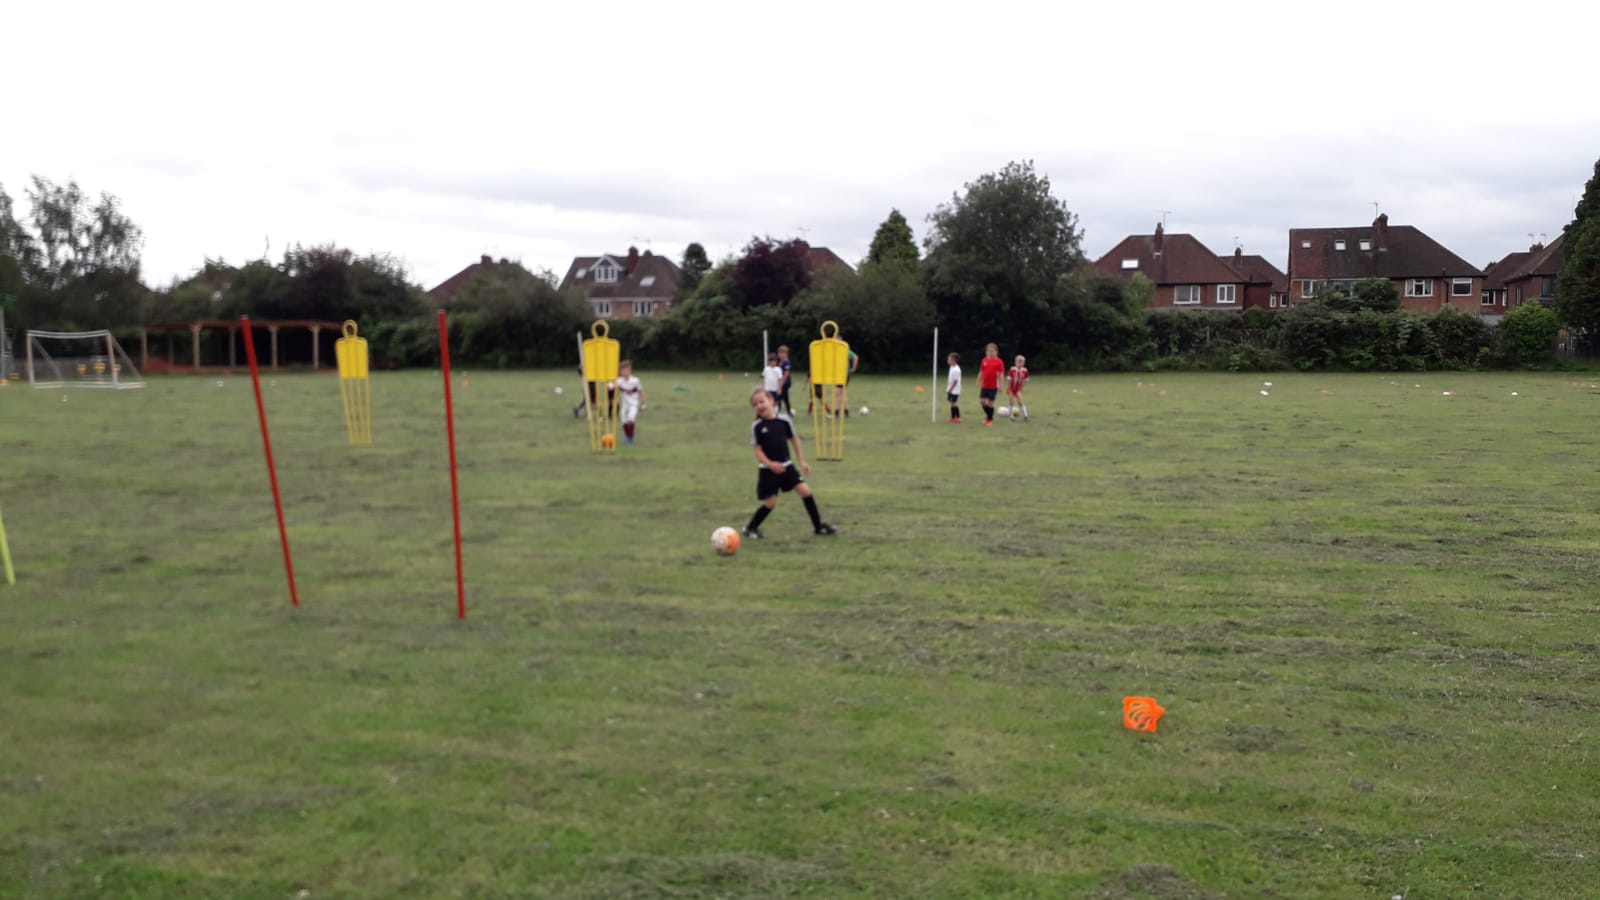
(771,434)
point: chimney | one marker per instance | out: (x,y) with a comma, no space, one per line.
(1380,232)
(1160,239)
(633,258)
(1238,254)
(1537,246)
(486,259)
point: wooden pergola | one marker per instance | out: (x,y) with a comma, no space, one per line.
(232,327)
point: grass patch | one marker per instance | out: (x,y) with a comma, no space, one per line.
(1368,607)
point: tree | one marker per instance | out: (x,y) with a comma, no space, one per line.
(693,268)
(893,242)
(1527,335)
(995,253)
(78,266)
(1588,205)
(1578,283)
(18,255)
(511,316)
(771,273)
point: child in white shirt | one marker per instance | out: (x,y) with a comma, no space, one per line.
(952,389)
(772,377)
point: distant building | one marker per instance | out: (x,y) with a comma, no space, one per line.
(821,259)
(632,286)
(1187,275)
(1427,276)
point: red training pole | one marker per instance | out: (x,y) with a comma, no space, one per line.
(455,491)
(272,470)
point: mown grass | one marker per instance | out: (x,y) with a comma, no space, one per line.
(1367,606)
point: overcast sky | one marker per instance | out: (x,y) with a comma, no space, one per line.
(541,132)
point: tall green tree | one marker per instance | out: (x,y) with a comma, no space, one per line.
(18,254)
(893,242)
(692,269)
(77,264)
(994,255)
(1578,283)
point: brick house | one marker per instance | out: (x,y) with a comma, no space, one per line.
(1186,274)
(1535,279)
(1493,299)
(1427,275)
(635,286)
(1265,287)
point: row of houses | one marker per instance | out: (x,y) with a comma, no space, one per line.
(1186,273)
(1425,273)
(630,285)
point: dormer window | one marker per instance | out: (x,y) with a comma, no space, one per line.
(606,272)
(1130,264)
(1365,244)
(1338,244)
(647,281)
(581,272)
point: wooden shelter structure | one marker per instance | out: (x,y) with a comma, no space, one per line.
(233,327)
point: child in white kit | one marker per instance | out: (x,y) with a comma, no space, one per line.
(630,396)
(772,377)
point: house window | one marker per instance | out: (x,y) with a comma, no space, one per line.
(1365,244)
(1547,287)
(1225,293)
(647,281)
(1305,245)
(602,308)
(1419,287)
(1273,301)
(580,273)
(1130,264)
(1338,244)
(606,273)
(1308,289)
(641,308)
(1349,287)
(1488,298)
(1186,293)
(1461,287)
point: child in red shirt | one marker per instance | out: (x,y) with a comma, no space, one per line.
(989,381)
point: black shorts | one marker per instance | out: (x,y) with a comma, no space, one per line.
(769,483)
(952,399)
(987,393)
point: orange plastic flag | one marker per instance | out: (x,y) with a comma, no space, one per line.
(1141,713)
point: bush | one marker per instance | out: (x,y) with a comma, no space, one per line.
(1527,334)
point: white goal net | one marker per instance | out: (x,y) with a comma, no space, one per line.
(79,359)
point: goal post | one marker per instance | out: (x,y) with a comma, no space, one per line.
(78,359)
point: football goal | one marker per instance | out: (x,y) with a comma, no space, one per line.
(78,359)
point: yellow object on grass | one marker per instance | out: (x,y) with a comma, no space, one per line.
(830,370)
(5,551)
(354,385)
(601,356)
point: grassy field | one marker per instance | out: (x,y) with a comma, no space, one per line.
(1368,606)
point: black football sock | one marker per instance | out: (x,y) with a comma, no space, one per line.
(761,516)
(955,412)
(811,509)
(988,413)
